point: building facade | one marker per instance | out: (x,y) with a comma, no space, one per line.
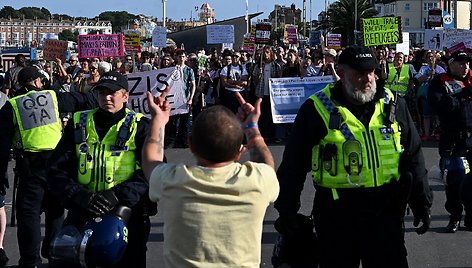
(414,14)
(21,32)
(282,15)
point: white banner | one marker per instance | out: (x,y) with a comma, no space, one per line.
(288,94)
(159,36)
(455,36)
(219,34)
(404,47)
(156,81)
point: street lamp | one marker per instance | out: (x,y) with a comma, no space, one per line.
(164,13)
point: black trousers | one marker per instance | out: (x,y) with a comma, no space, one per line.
(362,226)
(33,198)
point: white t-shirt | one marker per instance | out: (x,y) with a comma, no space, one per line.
(213,217)
(234,74)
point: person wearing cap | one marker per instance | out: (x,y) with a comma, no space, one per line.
(329,66)
(97,166)
(30,123)
(364,153)
(450,96)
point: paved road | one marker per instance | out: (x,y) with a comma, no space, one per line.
(434,249)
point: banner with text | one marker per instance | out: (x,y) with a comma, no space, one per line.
(288,94)
(156,81)
(452,37)
(55,49)
(333,41)
(219,34)
(382,31)
(100,45)
(290,34)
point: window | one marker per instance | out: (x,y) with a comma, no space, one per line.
(407,21)
(407,6)
(428,6)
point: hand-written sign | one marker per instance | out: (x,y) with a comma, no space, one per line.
(100,45)
(132,42)
(382,31)
(219,34)
(55,49)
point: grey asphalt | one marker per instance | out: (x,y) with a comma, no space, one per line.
(434,249)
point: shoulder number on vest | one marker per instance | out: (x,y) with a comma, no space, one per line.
(36,109)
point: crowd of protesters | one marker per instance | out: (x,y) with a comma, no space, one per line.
(229,76)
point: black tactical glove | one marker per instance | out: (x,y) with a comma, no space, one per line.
(96,204)
(423,216)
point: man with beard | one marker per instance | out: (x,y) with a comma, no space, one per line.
(364,152)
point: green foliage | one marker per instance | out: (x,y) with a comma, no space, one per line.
(68,35)
(35,12)
(341,18)
(8,11)
(118,19)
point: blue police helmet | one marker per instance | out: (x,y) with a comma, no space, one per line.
(105,239)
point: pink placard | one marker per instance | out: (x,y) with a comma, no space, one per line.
(100,45)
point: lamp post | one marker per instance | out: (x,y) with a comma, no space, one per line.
(247,16)
(164,13)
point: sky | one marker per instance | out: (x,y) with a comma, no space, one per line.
(175,9)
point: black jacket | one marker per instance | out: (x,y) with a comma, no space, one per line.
(309,129)
(454,110)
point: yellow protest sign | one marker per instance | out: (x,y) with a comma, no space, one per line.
(382,31)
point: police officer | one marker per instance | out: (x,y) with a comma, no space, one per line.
(96,166)
(450,94)
(30,123)
(365,156)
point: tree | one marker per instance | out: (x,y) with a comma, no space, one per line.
(118,19)
(8,11)
(33,12)
(68,35)
(341,18)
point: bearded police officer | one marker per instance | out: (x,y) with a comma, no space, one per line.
(30,123)
(97,166)
(364,152)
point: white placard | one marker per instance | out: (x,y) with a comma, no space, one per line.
(405,46)
(219,34)
(433,39)
(159,36)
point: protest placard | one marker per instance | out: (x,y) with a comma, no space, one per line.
(382,31)
(159,36)
(433,39)
(404,46)
(288,94)
(263,33)
(55,49)
(100,45)
(219,34)
(156,81)
(249,41)
(290,34)
(333,41)
(452,37)
(132,42)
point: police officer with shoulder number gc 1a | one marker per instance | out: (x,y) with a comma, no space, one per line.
(96,171)
(450,94)
(364,152)
(30,123)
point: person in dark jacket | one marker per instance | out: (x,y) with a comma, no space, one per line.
(30,123)
(93,173)
(450,95)
(364,152)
